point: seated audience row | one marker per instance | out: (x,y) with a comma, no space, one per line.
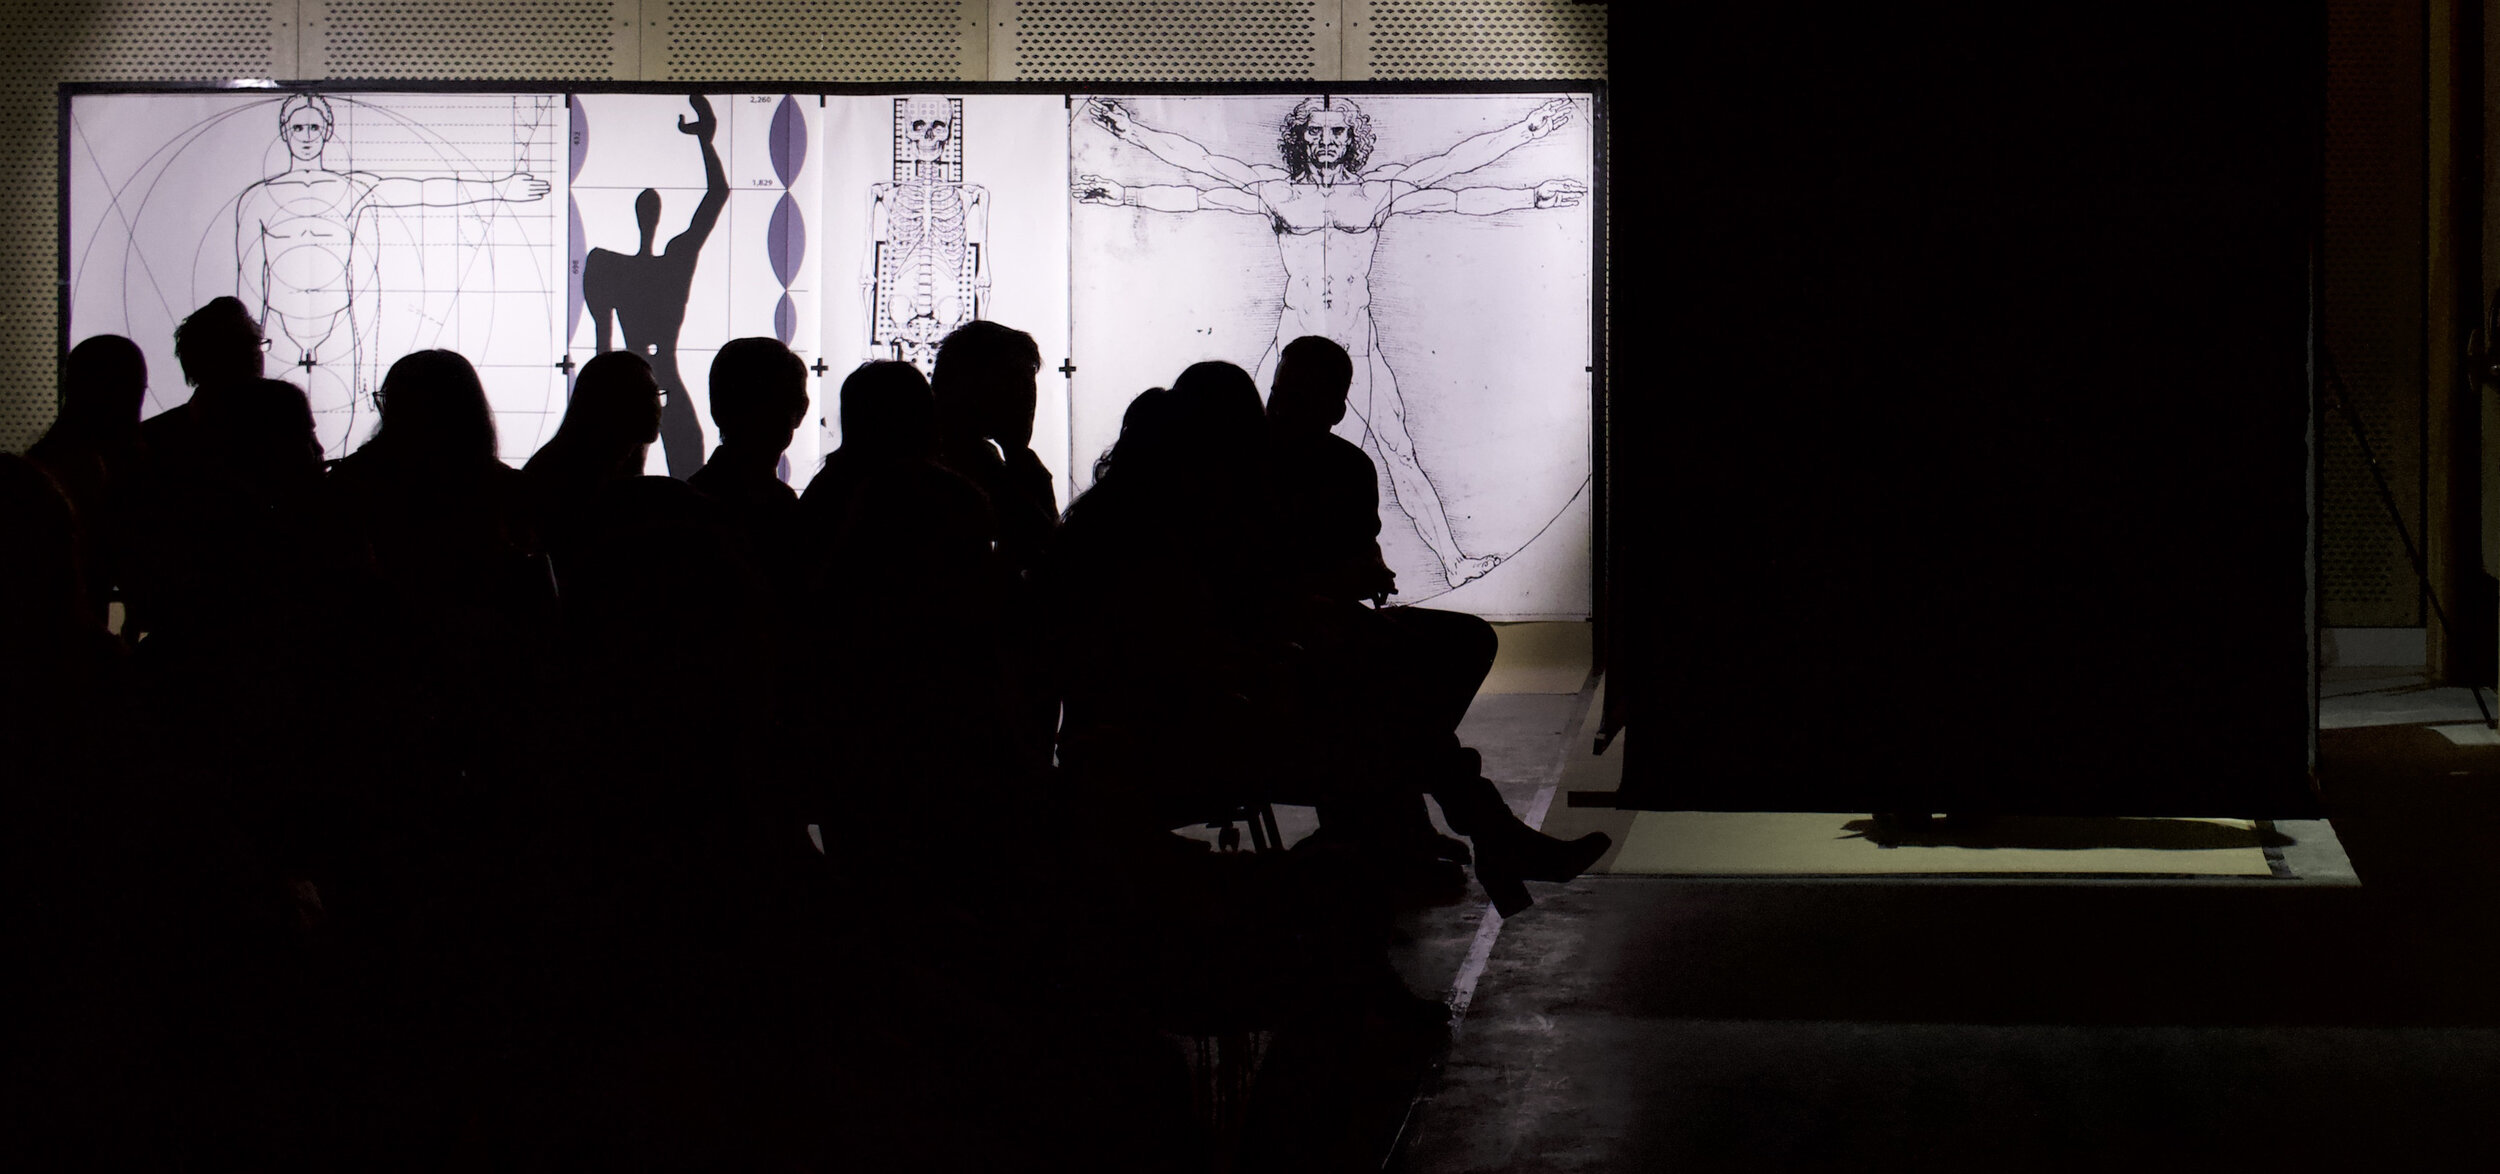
(448,783)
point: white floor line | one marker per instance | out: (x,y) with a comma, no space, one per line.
(1463,991)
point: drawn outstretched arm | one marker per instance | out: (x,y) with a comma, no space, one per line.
(1475,152)
(445,191)
(1094,189)
(715,177)
(977,238)
(878,227)
(1177,150)
(1553,193)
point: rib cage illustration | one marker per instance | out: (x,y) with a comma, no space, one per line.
(927,229)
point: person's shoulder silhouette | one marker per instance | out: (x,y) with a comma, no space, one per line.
(608,427)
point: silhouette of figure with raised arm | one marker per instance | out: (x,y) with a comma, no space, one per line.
(646,293)
(1327,203)
(305,262)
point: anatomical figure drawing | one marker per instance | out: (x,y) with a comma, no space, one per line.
(306,250)
(927,271)
(1326,199)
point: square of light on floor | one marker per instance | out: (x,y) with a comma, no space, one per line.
(2469,734)
(1716,843)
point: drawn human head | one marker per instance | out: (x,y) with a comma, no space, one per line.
(647,216)
(926,128)
(305,122)
(1324,133)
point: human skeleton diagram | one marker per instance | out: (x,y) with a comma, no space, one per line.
(1326,201)
(927,263)
(305,256)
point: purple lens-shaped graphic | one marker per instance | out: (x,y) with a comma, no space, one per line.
(786,320)
(573,283)
(789,139)
(581,137)
(786,237)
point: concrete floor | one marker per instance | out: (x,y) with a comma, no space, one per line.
(1694,1024)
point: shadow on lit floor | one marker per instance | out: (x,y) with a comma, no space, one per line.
(2077,834)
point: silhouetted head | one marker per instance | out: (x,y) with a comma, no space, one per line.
(1311,381)
(887,408)
(219,343)
(1217,403)
(102,384)
(260,432)
(759,393)
(304,121)
(434,410)
(1322,134)
(1141,432)
(647,216)
(1202,434)
(984,379)
(615,406)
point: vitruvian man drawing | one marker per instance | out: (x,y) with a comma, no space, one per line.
(927,267)
(306,252)
(1326,197)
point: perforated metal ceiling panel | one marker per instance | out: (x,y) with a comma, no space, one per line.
(2373,279)
(58,41)
(1399,39)
(1169,40)
(471,39)
(828,40)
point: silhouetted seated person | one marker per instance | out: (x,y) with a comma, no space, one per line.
(759,396)
(665,839)
(889,435)
(608,428)
(65,895)
(1164,602)
(1179,693)
(1301,696)
(54,652)
(1327,492)
(888,417)
(1423,666)
(430,513)
(229,527)
(93,451)
(247,693)
(984,384)
(218,346)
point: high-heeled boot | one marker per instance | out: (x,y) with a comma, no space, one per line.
(1508,851)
